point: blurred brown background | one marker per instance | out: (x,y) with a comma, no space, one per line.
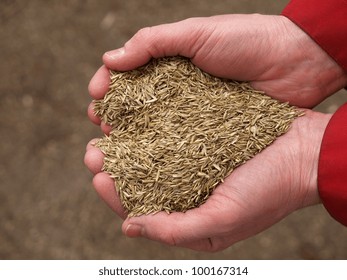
(49,50)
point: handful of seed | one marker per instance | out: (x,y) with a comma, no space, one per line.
(178,132)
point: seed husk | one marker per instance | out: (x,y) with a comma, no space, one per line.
(177,132)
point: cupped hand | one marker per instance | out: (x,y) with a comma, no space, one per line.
(271,52)
(279,180)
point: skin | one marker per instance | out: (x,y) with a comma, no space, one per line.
(275,56)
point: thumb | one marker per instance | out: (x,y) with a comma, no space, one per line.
(181,38)
(177,229)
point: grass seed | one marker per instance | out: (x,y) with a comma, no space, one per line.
(177,132)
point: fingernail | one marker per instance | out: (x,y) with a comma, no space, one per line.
(114,54)
(133,230)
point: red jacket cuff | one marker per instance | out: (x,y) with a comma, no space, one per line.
(332,166)
(325,21)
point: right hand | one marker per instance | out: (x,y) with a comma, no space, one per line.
(279,180)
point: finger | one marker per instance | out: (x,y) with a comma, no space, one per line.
(91,144)
(179,228)
(133,230)
(99,84)
(106,128)
(105,187)
(94,159)
(94,119)
(172,229)
(181,38)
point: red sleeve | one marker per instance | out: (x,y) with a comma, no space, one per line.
(332,166)
(325,21)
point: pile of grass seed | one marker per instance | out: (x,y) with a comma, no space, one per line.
(178,132)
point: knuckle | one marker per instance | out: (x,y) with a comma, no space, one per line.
(146,38)
(144,34)
(167,236)
(170,239)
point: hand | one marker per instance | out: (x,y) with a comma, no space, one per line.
(269,51)
(277,181)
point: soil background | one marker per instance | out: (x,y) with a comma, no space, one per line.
(49,50)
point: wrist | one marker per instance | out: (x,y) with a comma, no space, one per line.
(328,74)
(310,129)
